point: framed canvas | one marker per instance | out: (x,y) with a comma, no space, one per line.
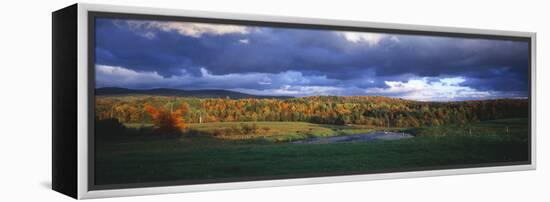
(151,101)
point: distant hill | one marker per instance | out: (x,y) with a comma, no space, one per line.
(112,91)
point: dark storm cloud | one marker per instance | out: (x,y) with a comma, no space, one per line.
(495,65)
(359,63)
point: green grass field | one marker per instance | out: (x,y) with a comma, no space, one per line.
(270,131)
(278,131)
(206,156)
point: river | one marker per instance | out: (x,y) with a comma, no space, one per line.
(377,135)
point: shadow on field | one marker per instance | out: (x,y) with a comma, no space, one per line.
(112,130)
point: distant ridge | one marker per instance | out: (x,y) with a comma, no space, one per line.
(112,91)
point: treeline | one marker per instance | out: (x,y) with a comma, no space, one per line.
(340,110)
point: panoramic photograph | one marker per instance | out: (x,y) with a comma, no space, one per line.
(194,102)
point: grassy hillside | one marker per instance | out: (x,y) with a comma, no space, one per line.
(268,131)
(205,157)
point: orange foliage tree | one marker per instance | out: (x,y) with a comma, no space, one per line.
(167,121)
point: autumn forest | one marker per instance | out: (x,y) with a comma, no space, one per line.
(175,112)
(185,102)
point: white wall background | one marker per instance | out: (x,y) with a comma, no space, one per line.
(25,112)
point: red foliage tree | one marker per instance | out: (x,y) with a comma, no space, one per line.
(167,121)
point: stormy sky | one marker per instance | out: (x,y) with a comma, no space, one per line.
(141,54)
